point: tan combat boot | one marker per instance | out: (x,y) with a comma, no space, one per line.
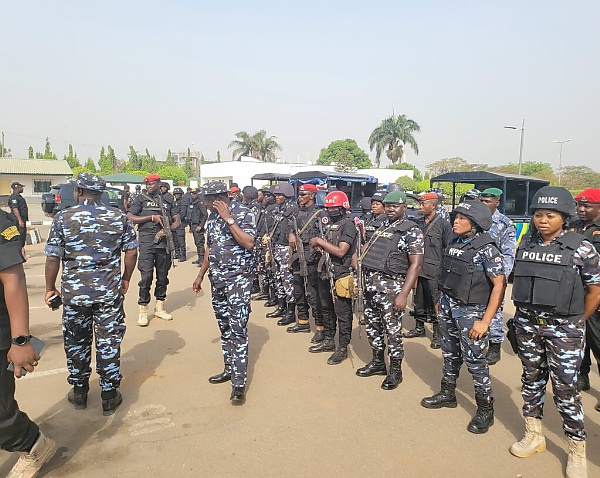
(533,441)
(143,316)
(160,312)
(576,461)
(30,463)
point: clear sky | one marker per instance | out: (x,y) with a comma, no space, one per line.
(169,74)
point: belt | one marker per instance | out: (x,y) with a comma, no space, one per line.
(540,320)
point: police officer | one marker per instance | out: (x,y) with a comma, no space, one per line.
(391,261)
(197,216)
(556,287)
(229,261)
(472,283)
(146,211)
(165,187)
(19,209)
(264,269)
(378,216)
(365,207)
(17,432)
(588,224)
(440,208)
(179,233)
(339,244)
(250,200)
(504,233)
(437,235)
(87,240)
(305,288)
(279,237)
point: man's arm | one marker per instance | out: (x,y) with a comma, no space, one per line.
(130,261)
(51,273)
(415,261)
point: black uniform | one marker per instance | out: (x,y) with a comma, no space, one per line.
(179,233)
(153,254)
(197,215)
(16,201)
(373,223)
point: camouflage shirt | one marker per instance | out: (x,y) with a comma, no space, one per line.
(89,239)
(504,233)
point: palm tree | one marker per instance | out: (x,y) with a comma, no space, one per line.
(258,145)
(392,135)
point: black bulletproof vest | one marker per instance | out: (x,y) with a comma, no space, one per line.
(545,279)
(383,254)
(459,278)
(341,266)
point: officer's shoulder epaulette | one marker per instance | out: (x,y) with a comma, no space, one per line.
(570,239)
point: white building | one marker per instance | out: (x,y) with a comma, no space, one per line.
(37,175)
(241,172)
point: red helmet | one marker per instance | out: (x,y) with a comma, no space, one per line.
(337,198)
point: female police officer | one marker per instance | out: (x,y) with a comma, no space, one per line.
(472,283)
(556,288)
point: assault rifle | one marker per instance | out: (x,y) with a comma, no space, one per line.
(300,255)
(328,264)
(359,301)
(166,223)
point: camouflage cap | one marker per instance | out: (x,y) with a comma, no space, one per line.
(90,181)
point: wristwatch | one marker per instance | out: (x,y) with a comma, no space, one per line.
(20,339)
(231,221)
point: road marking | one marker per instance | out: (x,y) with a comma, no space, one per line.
(57,371)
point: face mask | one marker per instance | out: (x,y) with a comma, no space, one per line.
(334,214)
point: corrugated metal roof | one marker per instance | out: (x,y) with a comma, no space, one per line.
(50,167)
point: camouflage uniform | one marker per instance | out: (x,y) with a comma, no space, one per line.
(89,239)
(380,292)
(456,320)
(442,211)
(504,233)
(230,272)
(284,278)
(551,346)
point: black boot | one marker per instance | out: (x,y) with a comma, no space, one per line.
(299,328)
(279,311)
(493,354)
(418,331)
(318,337)
(78,396)
(394,377)
(338,356)
(273,301)
(375,367)
(583,382)
(238,395)
(110,401)
(261,295)
(222,377)
(484,417)
(255,287)
(445,398)
(435,340)
(328,345)
(290,315)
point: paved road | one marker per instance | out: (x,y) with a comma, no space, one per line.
(302,417)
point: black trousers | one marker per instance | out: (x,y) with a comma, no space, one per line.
(306,295)
(199,243)
(23,234)
(17,431)
(179,239)
(151,258)
(592,343)
(425,297)
(335,314)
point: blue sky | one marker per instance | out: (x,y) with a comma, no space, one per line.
(166,74)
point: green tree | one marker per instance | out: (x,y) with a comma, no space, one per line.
(71,158)
(187,167)
(177,175)
(345,151)
(90,166)
(417,176)
(408,184)
(110,156)
(170,159)
(534,169)
(258,146)
(392,135)
(134,163)
(578,178)
(345,162)
(104,163)
(30,152)
(48,154)
(448,165)
(426,177)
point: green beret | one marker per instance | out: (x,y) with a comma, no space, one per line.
(491,192)
(395,197)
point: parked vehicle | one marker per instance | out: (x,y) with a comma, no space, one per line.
(61,197)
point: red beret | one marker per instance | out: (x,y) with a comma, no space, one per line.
(591,195)
(234,189)
(151,178)
(426,196)
(309,188)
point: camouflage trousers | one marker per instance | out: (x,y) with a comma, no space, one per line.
(592,343)
(497,327)
(284,279)
(552,351)
(104,322)
(455,322)
(231,304)
(381,318)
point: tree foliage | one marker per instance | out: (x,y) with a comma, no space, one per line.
(417,176)
(407,183)
(175,174)
(345,152)
(578,178)
(71,158)
(534,169)
(448,165)
(258,145)
(30,153)
(170,159)
(90,165)
(392,135)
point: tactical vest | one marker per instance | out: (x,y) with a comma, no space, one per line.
(332,235)
(374,223)
(545,278)
(383,254)
(459,278)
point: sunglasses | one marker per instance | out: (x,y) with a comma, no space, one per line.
(303,194)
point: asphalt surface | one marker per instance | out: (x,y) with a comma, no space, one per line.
(302,417)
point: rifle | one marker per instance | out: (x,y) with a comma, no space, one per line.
(269,243)
(359,301)
(167,229)
(300,255)
(328,265)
